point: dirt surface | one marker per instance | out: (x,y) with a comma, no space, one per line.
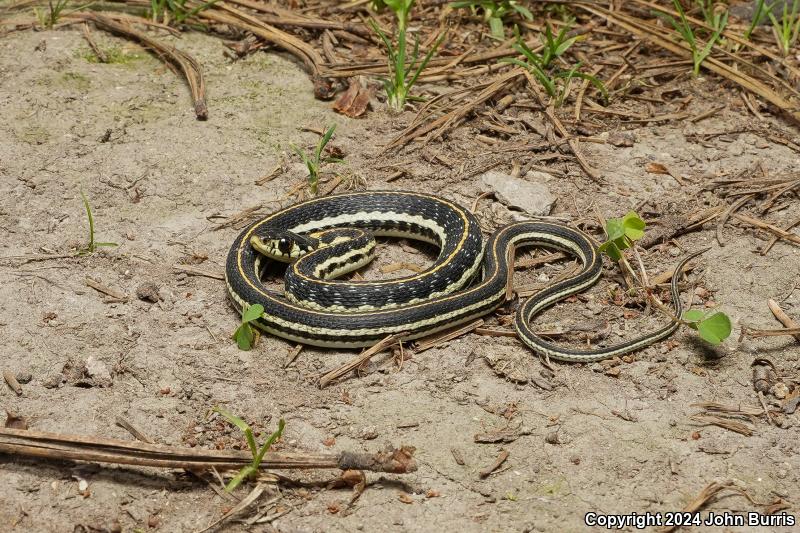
(584,438)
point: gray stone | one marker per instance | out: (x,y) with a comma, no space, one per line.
(531,197)
(98,371)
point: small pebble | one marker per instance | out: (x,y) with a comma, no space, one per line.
(24,377)
(53,382)
(148,292)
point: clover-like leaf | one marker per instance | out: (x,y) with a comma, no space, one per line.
(633,226)
(244,337)
(252,312)
(693,315)
(615,229)
(715,328)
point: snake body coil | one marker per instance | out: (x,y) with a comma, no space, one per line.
(345,314)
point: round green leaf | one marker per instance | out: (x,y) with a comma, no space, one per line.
(615,229)
(693,315)
(633,226)
(715,328)
(253,312)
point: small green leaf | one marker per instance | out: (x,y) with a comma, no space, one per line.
(634,226)
(496,27)
(611,250)
(253,312)
(693,315)
(523,11)
(615,229)
(244,337)
(715,328)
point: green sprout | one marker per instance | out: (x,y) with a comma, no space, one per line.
(163,9)
(786,29)
(314,163)
(715,17)
(759,14)
(245,336)
(541,64)
(712,328)
(622,234)
(494,12)
(685,30)
(92,246)
(50,18)
(403,73)
(250,470)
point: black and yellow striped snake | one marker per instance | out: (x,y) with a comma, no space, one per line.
(466,280)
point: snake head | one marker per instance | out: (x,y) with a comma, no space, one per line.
(283,245)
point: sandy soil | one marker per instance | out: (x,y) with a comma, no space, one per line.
(160,182)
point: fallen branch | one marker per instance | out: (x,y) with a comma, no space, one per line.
(26,443)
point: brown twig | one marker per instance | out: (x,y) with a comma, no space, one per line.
(362,358)
(430,342)
(572,142)
(784,319)
(194,271)
(101,56)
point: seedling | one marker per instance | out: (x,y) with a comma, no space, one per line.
(50,18)
(712,328)
(250,470)
(714,14)
(402,73)
(315,162)
(540,64)
(685,30)
(245,336)
(92,246)
(759,14)
(622,234)
(786,29)
(163,9)
(494,12)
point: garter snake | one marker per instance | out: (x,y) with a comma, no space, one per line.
(466,281)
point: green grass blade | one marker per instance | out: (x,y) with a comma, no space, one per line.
(425,60)
(324,141)
(241,424)
(270,441)
(91,221)
(243,474)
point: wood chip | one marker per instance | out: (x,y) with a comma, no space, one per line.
(486,472)
(12,382)
(457,457)
(354,101)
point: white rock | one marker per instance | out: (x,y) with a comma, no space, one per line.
(531,197)
(97,370)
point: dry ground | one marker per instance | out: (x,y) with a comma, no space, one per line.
(159,180)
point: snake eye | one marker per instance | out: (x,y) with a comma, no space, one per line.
(284,245)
